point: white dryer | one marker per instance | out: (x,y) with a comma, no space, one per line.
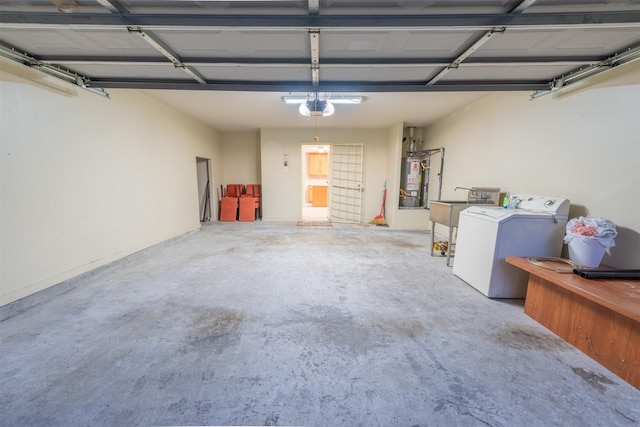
(488,234)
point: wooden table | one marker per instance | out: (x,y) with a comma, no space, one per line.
(599,317)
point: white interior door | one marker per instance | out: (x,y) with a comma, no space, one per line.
(346,183)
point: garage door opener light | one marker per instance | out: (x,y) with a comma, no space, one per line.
(319,106)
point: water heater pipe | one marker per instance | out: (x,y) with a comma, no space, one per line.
(441,151)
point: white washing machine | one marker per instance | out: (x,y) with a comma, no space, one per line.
(488,234)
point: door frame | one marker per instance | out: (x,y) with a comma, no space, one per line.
(203,179)
(310,147)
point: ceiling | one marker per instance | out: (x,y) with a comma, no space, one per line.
(229,63)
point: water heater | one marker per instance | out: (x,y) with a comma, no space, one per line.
(410,182)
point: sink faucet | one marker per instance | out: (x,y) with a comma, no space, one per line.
(473,194)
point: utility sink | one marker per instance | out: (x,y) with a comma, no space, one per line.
(447,212)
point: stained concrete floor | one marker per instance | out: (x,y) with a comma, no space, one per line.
(272,324)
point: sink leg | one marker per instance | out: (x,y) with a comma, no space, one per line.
(449,245)
(433,230)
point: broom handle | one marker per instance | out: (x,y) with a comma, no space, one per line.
(384,199)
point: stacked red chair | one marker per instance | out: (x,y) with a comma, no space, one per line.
(250,203)
(230,201)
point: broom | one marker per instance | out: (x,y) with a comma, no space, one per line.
(379,219)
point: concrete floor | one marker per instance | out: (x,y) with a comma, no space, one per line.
(273,324)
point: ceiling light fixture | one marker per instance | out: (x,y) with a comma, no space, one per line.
(301,99)
(316,107)
(315,104)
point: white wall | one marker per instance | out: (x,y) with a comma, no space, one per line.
(241,154)
(282,188)
(87,180)
(583,145)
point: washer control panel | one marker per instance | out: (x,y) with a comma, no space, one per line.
(551,205)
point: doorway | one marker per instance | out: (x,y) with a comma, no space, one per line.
(315,182)
(204,189)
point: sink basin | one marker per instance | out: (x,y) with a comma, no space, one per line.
(447,212)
